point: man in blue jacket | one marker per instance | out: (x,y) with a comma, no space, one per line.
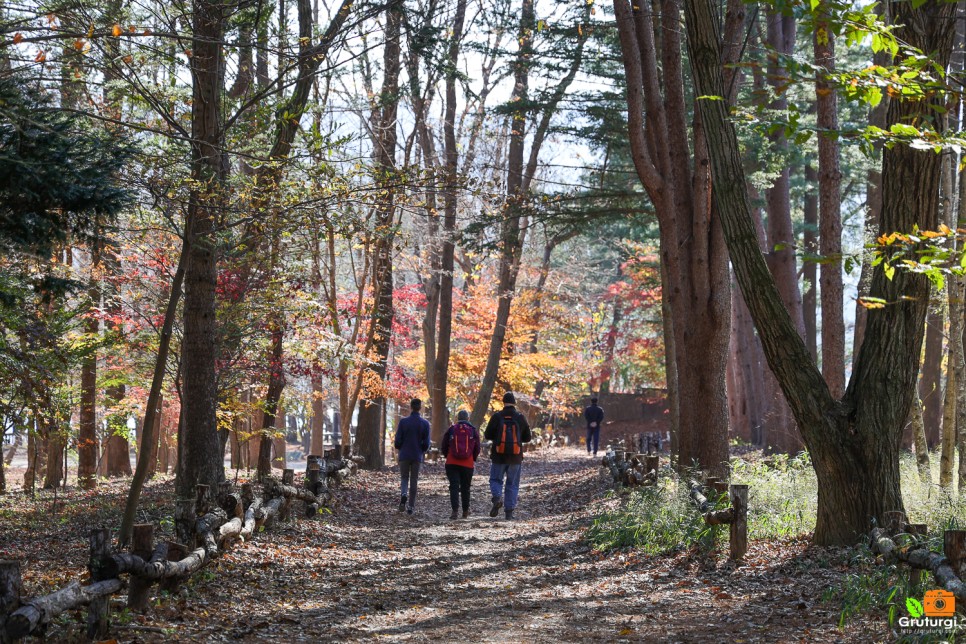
(412,441)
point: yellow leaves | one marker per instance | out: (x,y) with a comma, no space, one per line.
(117,31)
(128,59)
(79,44)
(41,56)
(823,91)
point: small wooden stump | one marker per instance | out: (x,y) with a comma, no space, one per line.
(652,463)
(142,545)
(739,523)
(10,585)
(98,614)
(954,547)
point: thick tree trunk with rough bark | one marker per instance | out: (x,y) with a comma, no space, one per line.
(854,443)
(200,449)
(671,159)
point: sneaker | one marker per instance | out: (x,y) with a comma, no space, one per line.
(409,509)
(453,516)
(402,504)
(497,504)
(508,513)
(466,513)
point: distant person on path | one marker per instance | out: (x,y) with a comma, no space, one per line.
(412,441)
(461,447)
(595,418)
(508,430)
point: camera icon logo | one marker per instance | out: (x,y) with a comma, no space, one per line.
(939,603)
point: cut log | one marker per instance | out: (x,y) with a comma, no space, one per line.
(267,513)
(720,517)
(954,547)
(895,522)
(922,558)
(38,612)
(248,526)
(697,497)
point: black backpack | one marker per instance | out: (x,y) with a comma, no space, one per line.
(508,435)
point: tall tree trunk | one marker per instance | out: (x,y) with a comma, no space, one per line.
(830,206)
(919,440)
(440,410)
(695,279)
(276,383)
(87,447)
(948,453)
(810,265)
(512,234)
(200,449)
(369,432)
(782,433)
(854,443)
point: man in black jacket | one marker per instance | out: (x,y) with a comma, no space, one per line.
(508,429)
(595,418)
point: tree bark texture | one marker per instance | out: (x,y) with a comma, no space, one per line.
(200,449)
(854,443)
(444,323)
(830,207)
(675,172)
(809,264)
(369,432)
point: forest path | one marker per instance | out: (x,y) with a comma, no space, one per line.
(368,573)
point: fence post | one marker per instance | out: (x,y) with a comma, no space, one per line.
(954,547)
(652,462)
(176,552)
(98,618)
(10,585)
(739,524)
(142,545)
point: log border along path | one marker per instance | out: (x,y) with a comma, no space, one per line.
(368,573)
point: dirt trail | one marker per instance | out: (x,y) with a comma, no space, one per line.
(369,573)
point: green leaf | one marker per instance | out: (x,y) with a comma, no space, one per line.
(889,270)
(914,606)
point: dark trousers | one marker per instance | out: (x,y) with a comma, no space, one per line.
(459,485)
(409,475)
(593,435)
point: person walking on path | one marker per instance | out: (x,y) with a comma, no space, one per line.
(595,418)
(461,447)
(412,441)
(508,429)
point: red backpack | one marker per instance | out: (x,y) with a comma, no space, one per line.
(508,439)
(461,441)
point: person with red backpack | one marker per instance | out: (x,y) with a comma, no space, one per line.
(508,429)
(461,447)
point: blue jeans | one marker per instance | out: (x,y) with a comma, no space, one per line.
(593,434)
(500,471)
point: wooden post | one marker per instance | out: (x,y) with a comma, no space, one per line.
(247,494)
(10,585)
(176,552)
(954,547)
(739,525)
(652,462)
(916,530)
(142,545)
(313,479)
(721,487)
(895,522)
(98,617)
(285,512)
